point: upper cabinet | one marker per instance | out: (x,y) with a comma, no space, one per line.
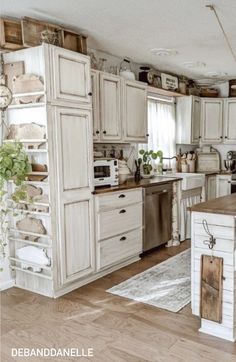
(212,121)
(230,121)
(70,76)
(119,109)
(135,112)
(110,107)
(188,115)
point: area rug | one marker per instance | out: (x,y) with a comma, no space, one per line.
(166,285)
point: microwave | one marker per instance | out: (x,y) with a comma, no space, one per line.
(106,172)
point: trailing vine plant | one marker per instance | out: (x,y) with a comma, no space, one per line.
(14,166)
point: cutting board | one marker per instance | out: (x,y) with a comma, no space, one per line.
(13,70)
(211,288)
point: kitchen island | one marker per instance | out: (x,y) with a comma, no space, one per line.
(213,267)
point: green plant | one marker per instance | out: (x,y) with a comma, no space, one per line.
(14,165)
(147,157)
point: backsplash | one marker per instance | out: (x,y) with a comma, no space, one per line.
(114,150)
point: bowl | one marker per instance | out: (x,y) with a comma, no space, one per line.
(230,165)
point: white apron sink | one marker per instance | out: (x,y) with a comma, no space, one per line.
(189,180)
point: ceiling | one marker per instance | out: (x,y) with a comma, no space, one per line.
(133,27)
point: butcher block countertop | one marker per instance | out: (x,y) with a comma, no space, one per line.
(132,184)
(222,205)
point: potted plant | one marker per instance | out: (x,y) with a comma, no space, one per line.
(15,166)
(145,160)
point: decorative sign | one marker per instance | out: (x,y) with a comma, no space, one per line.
(169,82)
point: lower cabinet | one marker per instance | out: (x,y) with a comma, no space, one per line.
(118,227)
(223,185)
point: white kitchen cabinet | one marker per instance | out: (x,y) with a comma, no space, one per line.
(135,112)
(74,182)
(110,107)
(212,121)
(223,185)
(230,121)
(118,227)
(70,76)
(188,115)
(95,104)
(210,187)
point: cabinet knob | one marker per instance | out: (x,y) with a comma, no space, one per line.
(200,137)
(121,196)
(123,238)
(97,132)
(221,137)
(122,211)
(147,135)
(226,137)
(104,132)
(90,94)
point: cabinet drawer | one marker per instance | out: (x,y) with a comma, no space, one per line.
(119,199)
(117,221)
(119,248)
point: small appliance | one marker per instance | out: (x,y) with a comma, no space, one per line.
(230,162)
(106,172)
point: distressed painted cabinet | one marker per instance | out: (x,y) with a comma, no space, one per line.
(95,104)
(135,112)
(110,107)
(188,115)
(70,76)
(72,130)
(223,185)
(212,121)
(230,121)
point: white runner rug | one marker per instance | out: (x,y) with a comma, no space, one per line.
(166,285)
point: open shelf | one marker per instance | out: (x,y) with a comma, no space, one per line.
(27,105)
(28,242)
(43,236)
(40,275)
(31,203)
(38,150)
(24,140)
(39,183)
(36,213)
(39,93)
(30,263)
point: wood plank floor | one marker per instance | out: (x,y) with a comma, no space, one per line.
(117,328)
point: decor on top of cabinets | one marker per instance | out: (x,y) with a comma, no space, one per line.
(232,88)
(10,34)
(169,82)
(146,75)
(126,69)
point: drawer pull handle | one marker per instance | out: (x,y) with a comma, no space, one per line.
(123,238)
(122,211)
(121,196)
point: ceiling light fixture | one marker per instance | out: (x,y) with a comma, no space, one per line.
(197,64)
(163,52)
(215,74)
(212,8)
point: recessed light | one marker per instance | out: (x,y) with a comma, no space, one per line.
(197,64)
(163,52)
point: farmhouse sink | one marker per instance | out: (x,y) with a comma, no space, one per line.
(190,180)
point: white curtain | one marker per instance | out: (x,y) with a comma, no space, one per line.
(161,127)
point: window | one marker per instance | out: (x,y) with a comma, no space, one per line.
(161,126)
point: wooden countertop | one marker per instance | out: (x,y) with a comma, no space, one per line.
(222,205)
(132,184)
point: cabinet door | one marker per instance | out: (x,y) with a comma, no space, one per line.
(71,76)
(212,121)
(223,185)
(211,187)
(230,121)
(72,134)
(110,107)
(196,120)
(95,104)
(135,112)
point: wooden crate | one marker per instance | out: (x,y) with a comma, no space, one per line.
(74,41)
(10,34)
(32,29)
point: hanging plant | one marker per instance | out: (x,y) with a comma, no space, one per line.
(15,166)
(147,157)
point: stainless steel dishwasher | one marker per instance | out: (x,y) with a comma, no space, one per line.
(157,215)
